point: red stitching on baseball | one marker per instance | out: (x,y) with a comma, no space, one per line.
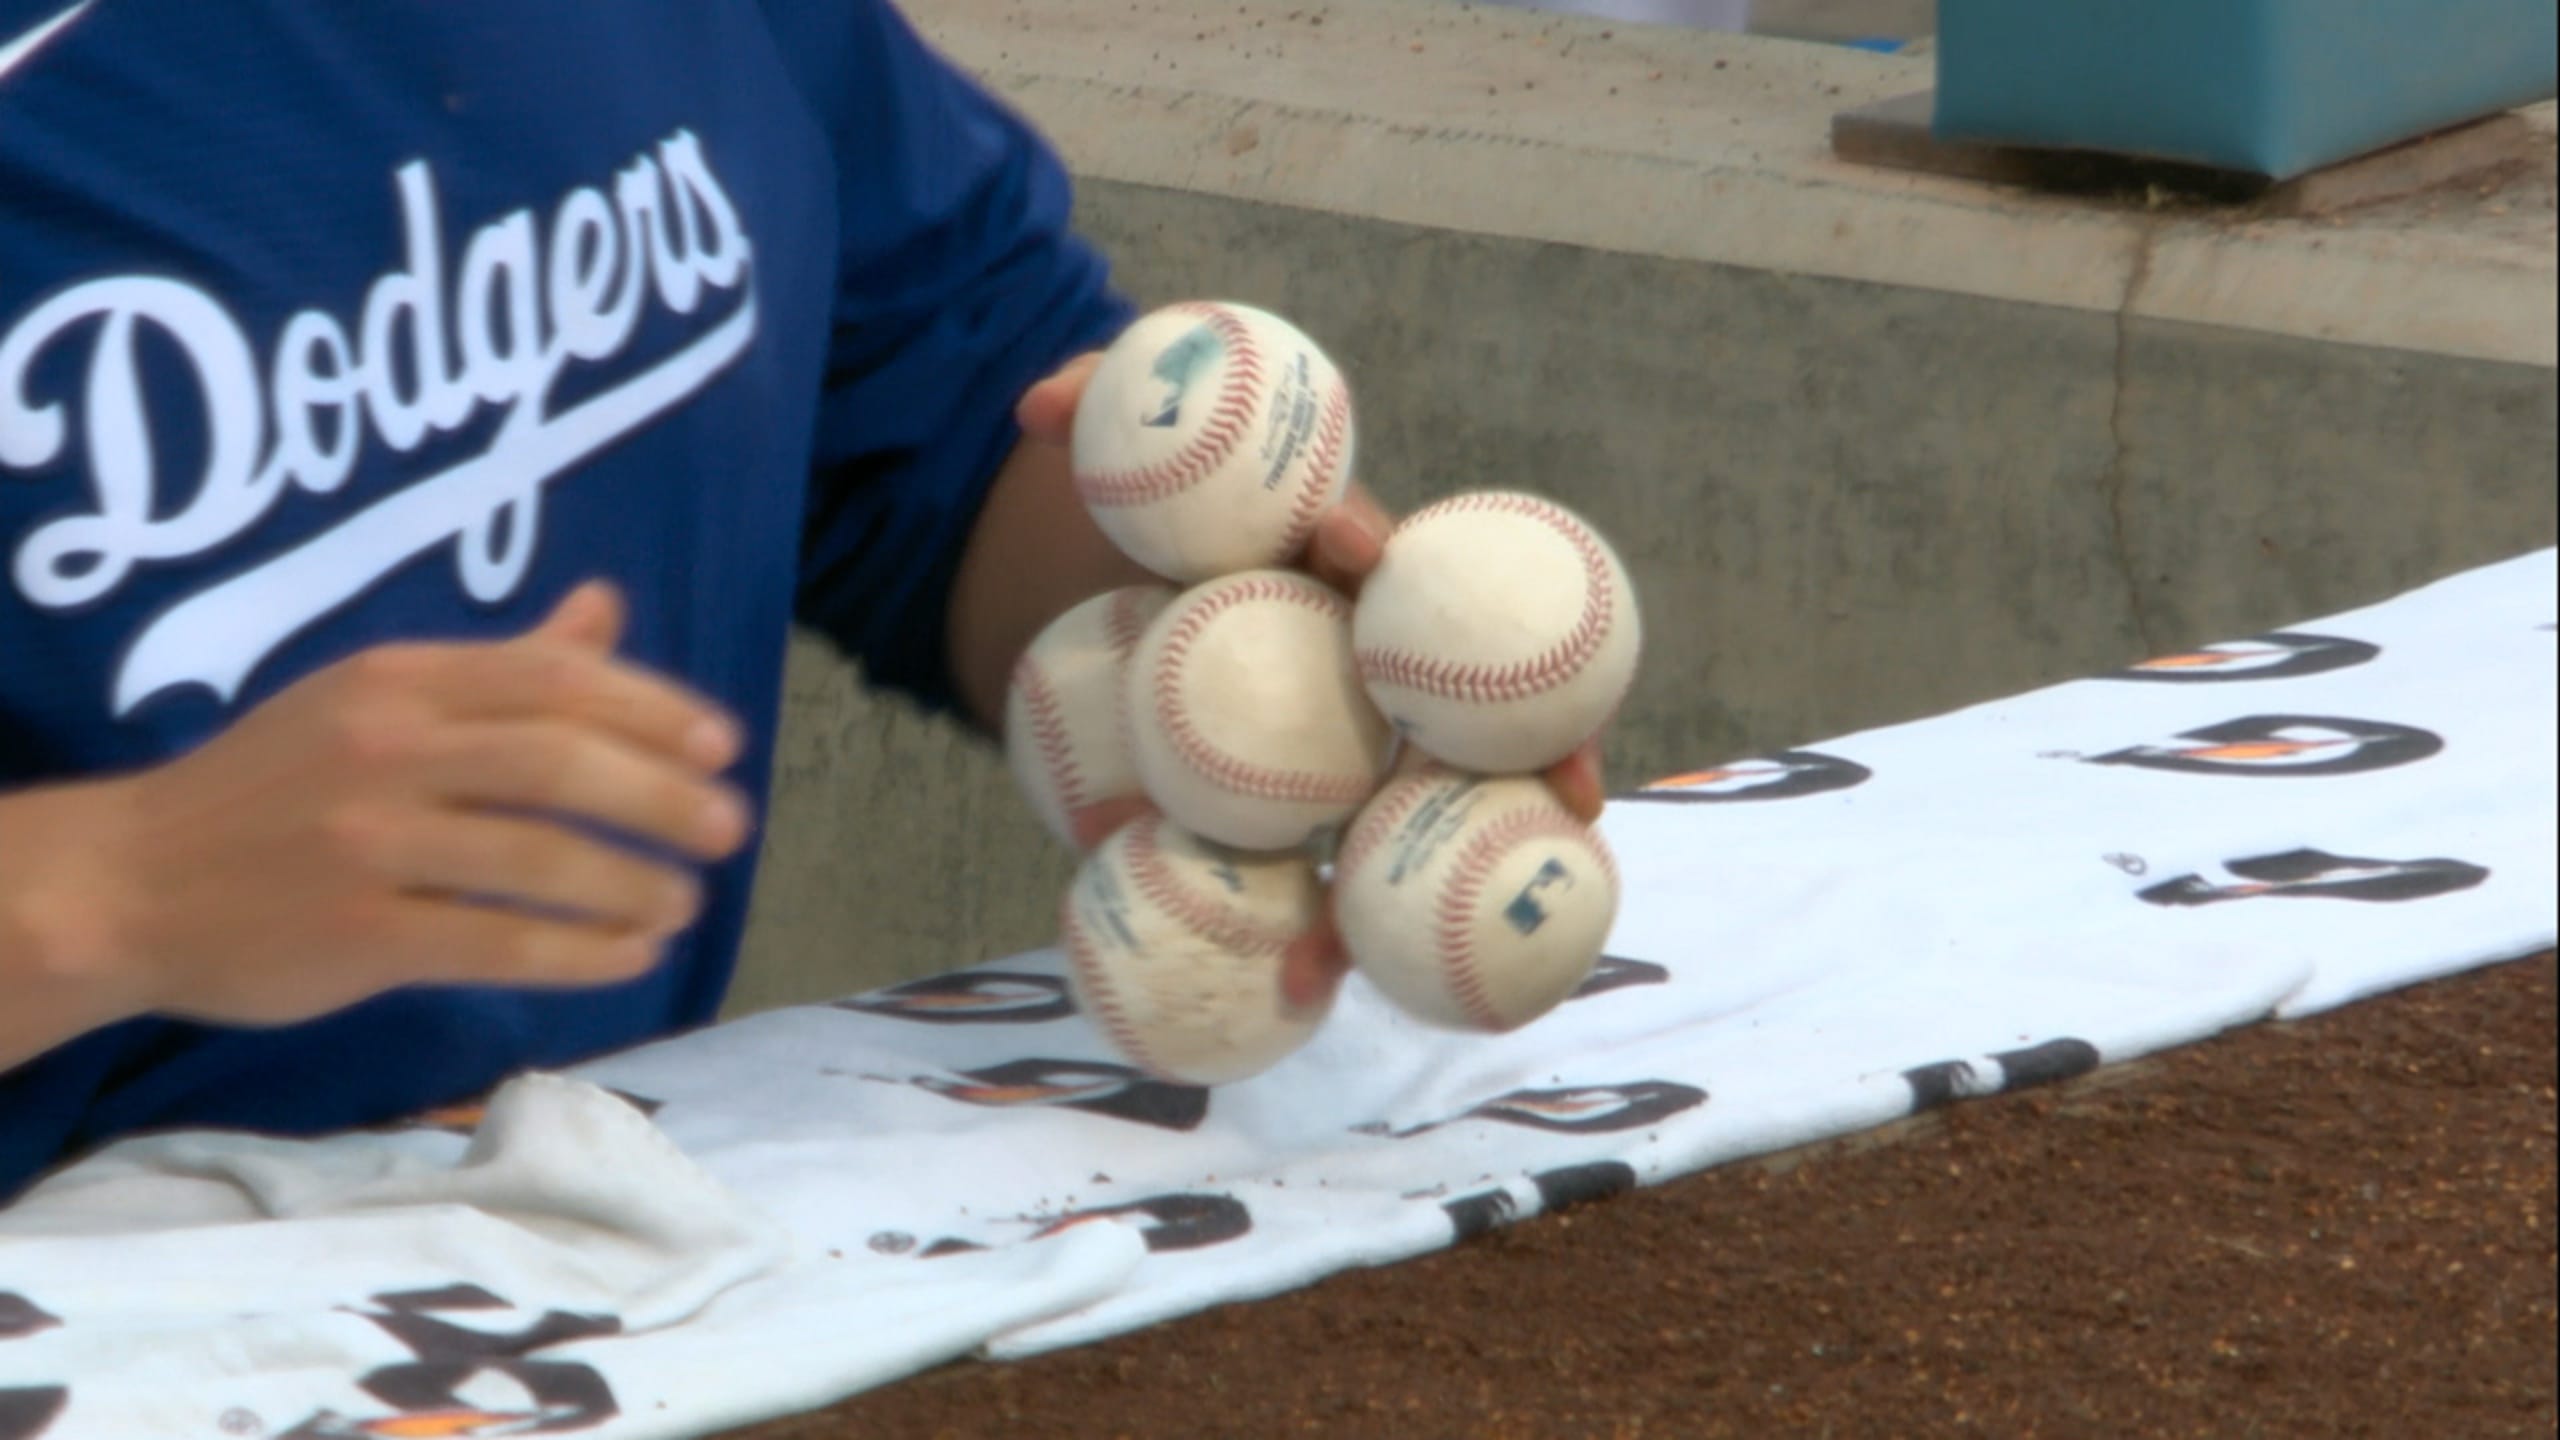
(1227,772)
(1225,429)
(1156,879)
(1473,868)
(1450,680)
(1315,485)
(1384,815)
(1105,1000)
(1608,858)
(1049,735)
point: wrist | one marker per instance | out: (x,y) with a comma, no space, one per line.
(63,925)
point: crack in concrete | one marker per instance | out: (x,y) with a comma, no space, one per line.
(2112,480)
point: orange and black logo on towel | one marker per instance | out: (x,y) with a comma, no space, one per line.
(449,1390)
(1093,1086)
(1785,775)
(28,1411)
(466,1117)
(1942,1082)
(460,1422)
(2319,875)
(1570,1109)
(21,1317)
(2278,655)
(1189,1221)
(2283,745)
(1172,1222)
(1616,972)
(1558,1189)
(971,997)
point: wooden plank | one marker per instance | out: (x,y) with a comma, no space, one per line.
(1895,134)
(2465,154)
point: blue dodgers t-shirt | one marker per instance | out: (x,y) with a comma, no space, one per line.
(323,326)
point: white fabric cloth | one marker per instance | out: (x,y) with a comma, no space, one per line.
(191,1284)
(772,1213)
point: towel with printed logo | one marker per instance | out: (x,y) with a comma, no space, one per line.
(777,1211)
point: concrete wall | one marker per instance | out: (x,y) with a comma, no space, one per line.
(1847,498)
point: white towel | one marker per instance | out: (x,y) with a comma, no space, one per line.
(565,1267)
(772,1213)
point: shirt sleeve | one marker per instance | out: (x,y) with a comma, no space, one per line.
(958,285)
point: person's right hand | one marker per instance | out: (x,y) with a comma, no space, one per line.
(382,823)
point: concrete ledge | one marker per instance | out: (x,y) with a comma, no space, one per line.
(1875,445)
(1699,146)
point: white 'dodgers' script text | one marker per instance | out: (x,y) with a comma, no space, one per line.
(421,360)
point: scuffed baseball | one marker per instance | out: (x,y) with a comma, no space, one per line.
(1210,439)
(1498,632)
(1175,947)
(1473,902)
(1064,738)
(1246,718)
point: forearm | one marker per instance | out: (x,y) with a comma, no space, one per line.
(57,978)
(1034,552)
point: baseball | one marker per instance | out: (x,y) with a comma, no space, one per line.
(1473,902)
(1498,633)
(1210,440)
(1174,948)
(1063,735)
(1246,719)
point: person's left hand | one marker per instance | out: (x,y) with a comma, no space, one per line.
(1348,543)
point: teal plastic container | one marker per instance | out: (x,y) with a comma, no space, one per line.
(2268,87)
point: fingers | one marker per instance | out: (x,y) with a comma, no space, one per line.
(591,617)
(562,768)
(546,679)
(1577,781)
(1313,966)
(1350,540)
(544,866)
(1047,411)
(447,942)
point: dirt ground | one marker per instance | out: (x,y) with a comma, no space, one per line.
(2343,1227)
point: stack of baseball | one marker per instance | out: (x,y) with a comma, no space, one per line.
(1265,719)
